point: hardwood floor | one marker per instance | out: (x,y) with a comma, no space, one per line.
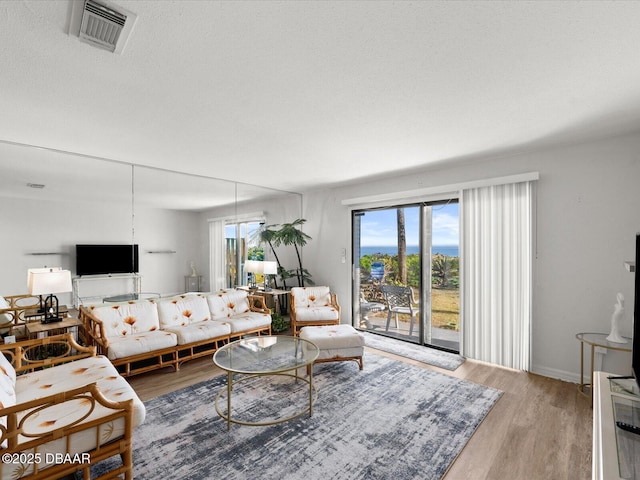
(539,429)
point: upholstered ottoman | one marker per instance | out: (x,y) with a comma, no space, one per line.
(336,343)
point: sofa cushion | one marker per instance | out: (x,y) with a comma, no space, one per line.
(182,310)
(122,319)
(248,321)
(125,346)
(228,303)
(199,331)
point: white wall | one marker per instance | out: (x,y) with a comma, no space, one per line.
(588,211)
(30,226)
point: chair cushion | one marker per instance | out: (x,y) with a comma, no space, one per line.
(6,370)
(182,310)
(228,303)
(124,346)
(7,389)
(122,319)
(312,314)
(199,331)
(77,374)
(63,378)
(311,297)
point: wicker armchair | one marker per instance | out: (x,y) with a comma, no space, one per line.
(313,306)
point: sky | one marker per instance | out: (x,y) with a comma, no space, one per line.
(379,228)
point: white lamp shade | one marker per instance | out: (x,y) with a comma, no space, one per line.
(253,266)
(43,281)
(270,268)
(31,271)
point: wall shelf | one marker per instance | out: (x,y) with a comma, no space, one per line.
(48,253)
(161,251)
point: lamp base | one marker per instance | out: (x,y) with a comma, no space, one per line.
(51,320)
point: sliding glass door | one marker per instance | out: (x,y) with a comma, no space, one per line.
(406,272)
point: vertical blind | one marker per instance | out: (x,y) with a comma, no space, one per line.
(497,264)
(217,255)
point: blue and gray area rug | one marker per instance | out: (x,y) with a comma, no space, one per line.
(390,421)
(432,356)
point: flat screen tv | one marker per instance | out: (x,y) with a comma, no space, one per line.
(106,259)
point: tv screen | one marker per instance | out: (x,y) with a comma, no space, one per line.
(106,259)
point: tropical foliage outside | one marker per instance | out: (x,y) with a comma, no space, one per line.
(445,279)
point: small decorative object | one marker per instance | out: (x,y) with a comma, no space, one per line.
(618,311)
(194,273)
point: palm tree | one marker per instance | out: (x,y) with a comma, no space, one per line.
(266,234)
(444,268)
(289,234)
(402,247)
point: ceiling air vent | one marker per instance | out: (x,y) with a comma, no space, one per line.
(101,24)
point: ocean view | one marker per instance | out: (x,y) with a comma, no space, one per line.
(448,250)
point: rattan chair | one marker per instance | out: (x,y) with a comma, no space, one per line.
(313,306)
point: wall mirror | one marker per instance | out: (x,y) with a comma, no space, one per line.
(52,200)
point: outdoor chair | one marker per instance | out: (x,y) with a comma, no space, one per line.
(400,301)
(367,307)
(313,306)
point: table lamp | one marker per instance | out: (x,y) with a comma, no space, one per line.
(253,267)
(270,268)
(49,281)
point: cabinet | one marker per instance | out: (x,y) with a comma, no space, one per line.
(93,288)
(616,453)
(193,283)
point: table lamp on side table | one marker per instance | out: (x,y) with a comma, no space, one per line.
(49,281)
(270,268)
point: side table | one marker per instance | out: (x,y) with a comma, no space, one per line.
(596,340)
(44,329)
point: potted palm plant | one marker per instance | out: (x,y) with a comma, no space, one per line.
(290,234)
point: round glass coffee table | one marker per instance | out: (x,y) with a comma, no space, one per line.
(264,356)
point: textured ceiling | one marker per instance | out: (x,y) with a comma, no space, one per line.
(292,95)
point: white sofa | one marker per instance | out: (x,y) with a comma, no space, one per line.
(143,335)
(64,413)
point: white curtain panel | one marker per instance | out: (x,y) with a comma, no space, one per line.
(496,265)
(217,257)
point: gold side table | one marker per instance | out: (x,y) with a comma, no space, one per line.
(596,340)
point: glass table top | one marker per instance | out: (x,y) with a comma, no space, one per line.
(600,340)
(265,354)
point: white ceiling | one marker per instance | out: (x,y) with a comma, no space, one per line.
(293,95)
